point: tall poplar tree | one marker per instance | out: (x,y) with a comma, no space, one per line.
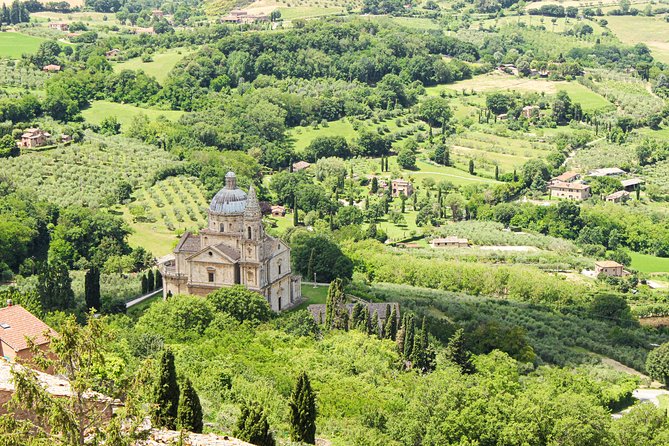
(165,398)
(303,411)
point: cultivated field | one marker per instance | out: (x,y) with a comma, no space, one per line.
(124,113)
(160,66)
(88,17)
(159,214)
(13,45)
(560,25)
(649,264)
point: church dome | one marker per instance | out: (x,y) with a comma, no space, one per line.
(230,199)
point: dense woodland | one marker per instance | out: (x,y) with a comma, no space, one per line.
(478,104)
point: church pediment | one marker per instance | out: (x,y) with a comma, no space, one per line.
(215,254)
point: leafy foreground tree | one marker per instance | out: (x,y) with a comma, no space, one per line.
(657,364)
(457,353)
(303,411)
(165,397)
(80,355)
(189,415)
(240,303)
(252,426)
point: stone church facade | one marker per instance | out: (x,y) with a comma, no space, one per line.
(233,249)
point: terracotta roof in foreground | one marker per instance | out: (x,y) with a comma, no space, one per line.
(17,324)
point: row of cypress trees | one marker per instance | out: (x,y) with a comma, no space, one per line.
(175,406)
(151,281)
(252,424)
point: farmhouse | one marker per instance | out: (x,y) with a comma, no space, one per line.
(59,26)
(400,186)
(149,30)
(34,137)
(450,242)
(300,165)
(567,177)
(383,309)
(51,68)
(112,53)
(570,191)
(618,197)
(632,184)
(278,211)
(17,325)
(606,172)
(157,14)
(239,16)
(233,249)
(530,111)
(609,268)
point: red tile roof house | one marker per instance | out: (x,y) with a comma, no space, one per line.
(17,325)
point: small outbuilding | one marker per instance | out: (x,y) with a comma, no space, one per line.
(301,165)
(618,197)
(450,242)
(609,268)
(278,211)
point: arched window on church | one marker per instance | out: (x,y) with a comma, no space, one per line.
(249,232)
(222,227)
(279,267)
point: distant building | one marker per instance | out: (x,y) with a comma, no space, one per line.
(16,326)
(232,250)
(34,137)
(157,14)
(381,308)
(570,191)
(618,197)
(606,172)
(400,186)
(609,268)
(65,138)
(530,111)
(300,165)
(148,30)
(632,184)
(239,16)
(503,116)
(59,26)
(51,68)
(450,242)
(278,211)
(567,177)
(112,53)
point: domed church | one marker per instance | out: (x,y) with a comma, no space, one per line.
(233,249)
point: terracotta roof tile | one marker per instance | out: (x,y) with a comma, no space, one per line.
(17,323)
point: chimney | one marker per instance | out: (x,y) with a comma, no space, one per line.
(9,302)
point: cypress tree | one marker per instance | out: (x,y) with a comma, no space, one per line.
(400,335)
(391,323)
(409,337)
(165,398)
(374,326)
(253,427)
(496,172)
(387,164)
(366,321)
(150,282)
(189,415)
(145,284)
(336,314)
(471,167)
(296,218)
(159,280)
(457,353)
(303,411)
(356,315)
(375,185)
(92,288)
(382,164)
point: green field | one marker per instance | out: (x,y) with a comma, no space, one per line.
(311,294)
(160,66)
(125,113)
(305,12)
(652,31)
(561,24)
(646,263)
(13,45)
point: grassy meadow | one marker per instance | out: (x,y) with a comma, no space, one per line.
(124,113)
(646,263)
(653,31)
(160,66)
(13,44)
